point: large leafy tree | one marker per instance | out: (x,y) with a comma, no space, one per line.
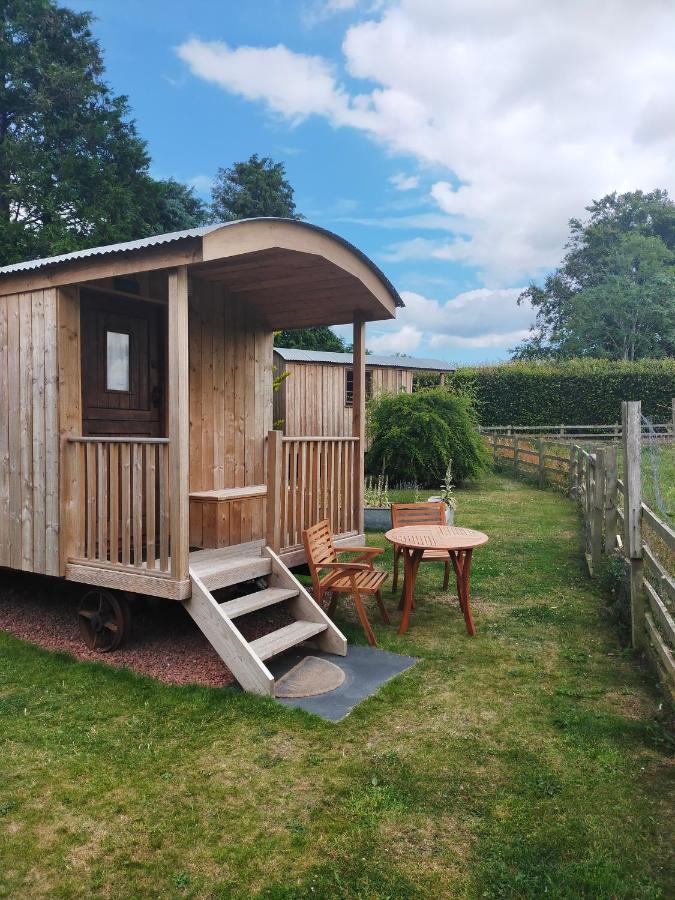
(613,295)
(73,170)
(256,187)
(320,338)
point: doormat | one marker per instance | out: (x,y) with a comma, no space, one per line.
(310,677)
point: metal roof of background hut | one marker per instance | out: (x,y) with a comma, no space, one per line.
(345,359)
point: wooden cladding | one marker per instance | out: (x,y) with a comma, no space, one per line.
(317,399)
(315,482)
(29,441)
(124,505)
(230,357)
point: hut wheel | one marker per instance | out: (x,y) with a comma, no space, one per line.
(105,619)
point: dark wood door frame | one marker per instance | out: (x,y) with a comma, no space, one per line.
(140,410)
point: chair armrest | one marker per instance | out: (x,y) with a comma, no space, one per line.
(346,566)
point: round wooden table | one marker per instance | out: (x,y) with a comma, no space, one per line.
(459,544)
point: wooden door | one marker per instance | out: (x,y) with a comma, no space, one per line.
(123,371)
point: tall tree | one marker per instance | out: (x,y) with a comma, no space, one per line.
(256,187)
(613,294)
(73,170)
(320,338)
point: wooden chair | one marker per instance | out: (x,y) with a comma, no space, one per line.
(420,514)
(356,577)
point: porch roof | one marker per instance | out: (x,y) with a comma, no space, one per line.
(294,274)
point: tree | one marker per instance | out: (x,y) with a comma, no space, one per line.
(247,190)
(73,170)
(320,338)
(612,295)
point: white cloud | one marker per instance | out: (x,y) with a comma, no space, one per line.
(403,182)
(532,108)
(403,340)
(480,318)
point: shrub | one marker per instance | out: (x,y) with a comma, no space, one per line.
(578,392)
(414,435)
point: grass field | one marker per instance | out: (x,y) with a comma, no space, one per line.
(530,761)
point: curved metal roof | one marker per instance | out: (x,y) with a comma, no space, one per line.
(172,236)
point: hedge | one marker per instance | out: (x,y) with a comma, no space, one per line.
(578,392)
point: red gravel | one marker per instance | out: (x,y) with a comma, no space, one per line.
(165,643)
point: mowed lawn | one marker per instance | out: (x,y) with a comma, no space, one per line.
(530,761)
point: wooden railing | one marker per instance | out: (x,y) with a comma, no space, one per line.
(569,433)
(310,479)
(120,490)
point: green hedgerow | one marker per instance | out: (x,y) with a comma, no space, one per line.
(414,435)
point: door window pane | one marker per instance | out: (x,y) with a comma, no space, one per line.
(117,361)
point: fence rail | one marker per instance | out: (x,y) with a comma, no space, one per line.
(123,502)
(615,522)
(310,479)
(570,433)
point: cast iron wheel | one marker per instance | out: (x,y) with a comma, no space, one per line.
(105,619)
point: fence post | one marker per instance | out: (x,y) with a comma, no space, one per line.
(494,450)
(273,532)
(632,511)
(598,510)
(542,471)
(574,472)
(610,499)
(516,451)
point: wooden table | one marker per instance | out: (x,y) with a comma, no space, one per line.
(458,542)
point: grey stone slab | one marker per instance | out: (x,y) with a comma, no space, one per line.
(366,670)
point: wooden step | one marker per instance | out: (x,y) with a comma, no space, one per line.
(258,600)
(216,572)
(285,638)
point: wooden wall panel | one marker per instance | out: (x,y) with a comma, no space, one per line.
(231,404)
(29,440)
(311,401)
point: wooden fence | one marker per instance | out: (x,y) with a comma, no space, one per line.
(122,494)
(310,479)
(615,523)
(571,433)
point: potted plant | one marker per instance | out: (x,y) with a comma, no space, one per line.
(447,496)
(377,508)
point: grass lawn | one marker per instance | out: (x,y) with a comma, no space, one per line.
(530,761)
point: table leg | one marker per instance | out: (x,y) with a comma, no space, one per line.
(412,560)
(461,561)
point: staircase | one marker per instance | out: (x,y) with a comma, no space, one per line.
(211,570)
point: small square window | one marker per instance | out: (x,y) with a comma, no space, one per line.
(117,361)
(349,386)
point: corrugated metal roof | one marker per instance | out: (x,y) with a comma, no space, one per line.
(141,244)
(395,362)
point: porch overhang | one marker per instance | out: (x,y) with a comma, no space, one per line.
(294,274)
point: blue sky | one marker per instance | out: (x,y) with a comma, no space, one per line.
(421,130)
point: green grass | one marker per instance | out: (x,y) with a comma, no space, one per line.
(530,761)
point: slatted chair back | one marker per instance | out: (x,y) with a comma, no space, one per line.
(319,548)
(417,514)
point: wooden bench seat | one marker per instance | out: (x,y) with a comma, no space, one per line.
(220,518)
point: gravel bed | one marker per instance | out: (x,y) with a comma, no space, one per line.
(165,643)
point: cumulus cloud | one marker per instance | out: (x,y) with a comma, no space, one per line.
(403,182)
(483,317)
(532,108)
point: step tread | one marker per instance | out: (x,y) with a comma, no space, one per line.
(219,573)
(284,638)
(258,600)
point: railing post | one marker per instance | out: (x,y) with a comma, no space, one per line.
(72,487)
(574,471)
(611,490)
(274,479)
(542,461)
(359,419)
(632,510)
(597,514)
(179,422)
